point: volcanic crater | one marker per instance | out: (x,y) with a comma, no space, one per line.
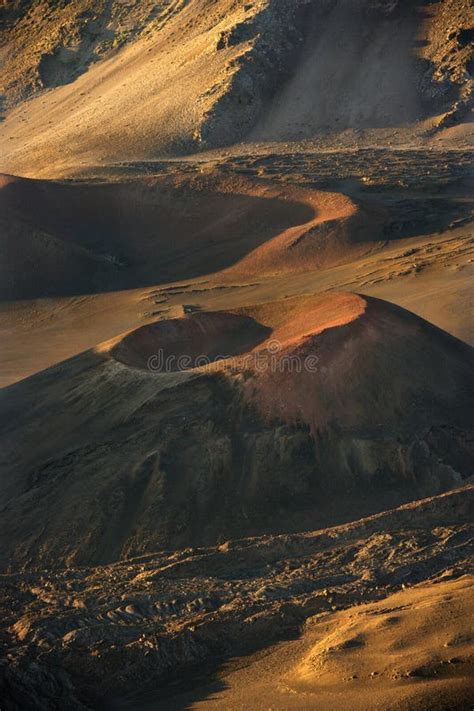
(190,342)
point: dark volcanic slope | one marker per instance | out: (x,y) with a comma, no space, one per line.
(275,465)
(349,406)
(83,237)
(66,238)
(82,638)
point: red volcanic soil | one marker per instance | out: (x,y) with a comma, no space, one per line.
(338,232)
(336,359)
(76,237)
(335,405)
(295,319)
(357,362)
(209,336)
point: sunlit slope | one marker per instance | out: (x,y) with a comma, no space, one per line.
(132,82)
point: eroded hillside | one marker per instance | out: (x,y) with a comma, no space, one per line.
(236,430)
(114,81)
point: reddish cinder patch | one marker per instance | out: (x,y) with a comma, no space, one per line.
(355,363)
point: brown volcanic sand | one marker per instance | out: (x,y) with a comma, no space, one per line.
(172,459)
(182,76)
(133,633)
(411,650)
(355,362)
(42,332)
(321,359)
(340,229)
(134,233)
(205,336)
(107,466)
(212,334)
(413,634)
(117,232)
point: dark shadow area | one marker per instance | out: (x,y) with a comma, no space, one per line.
(466,37)
(75,238)
(175,345)
(65,239)
(420,191)
(360,66)
(202,682)
(65,64)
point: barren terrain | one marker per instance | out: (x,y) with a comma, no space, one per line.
(236,363)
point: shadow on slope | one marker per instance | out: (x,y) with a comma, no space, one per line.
(70,238)
(131,460)
(369,65)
